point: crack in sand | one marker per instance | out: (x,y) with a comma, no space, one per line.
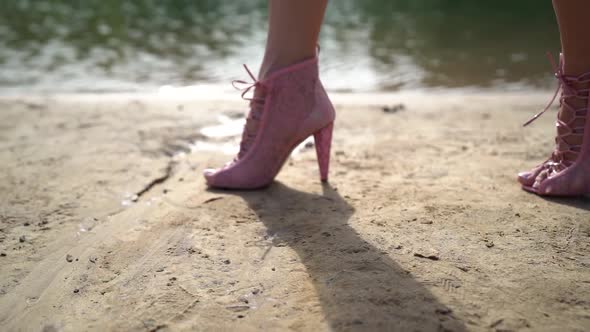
(159,180)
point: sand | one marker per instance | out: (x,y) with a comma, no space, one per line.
(106,224)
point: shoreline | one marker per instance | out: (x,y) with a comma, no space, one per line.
(223,93)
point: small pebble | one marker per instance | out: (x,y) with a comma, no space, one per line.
(69,258)
(227,261)
(76,290)
(393,109)
(22,239)
(443,311)
(463,268)
(3,254)
(429,254)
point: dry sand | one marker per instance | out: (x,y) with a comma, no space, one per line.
(422,226)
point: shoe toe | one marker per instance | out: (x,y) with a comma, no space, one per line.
(209,175)
(526,178)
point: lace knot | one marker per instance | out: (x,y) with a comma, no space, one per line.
(245,87)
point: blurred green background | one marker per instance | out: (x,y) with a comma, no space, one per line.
(369,45)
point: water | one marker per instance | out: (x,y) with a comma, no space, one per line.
(369,45)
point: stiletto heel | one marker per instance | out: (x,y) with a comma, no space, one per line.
(323,142)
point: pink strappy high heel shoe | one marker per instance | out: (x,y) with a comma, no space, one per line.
(567,171)
(288,106)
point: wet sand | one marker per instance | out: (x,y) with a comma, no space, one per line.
(105,222)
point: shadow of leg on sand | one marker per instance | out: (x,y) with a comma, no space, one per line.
(359,287)
(582,203)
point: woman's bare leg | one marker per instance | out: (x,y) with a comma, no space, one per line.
(296,104)
(567,172)
(572,17)
(293,31)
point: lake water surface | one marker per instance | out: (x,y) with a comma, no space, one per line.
(368,45)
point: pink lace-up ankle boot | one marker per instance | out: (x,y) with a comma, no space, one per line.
(567,171)
(288,106)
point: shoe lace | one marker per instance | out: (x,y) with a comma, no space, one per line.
(257,102)
(569,87)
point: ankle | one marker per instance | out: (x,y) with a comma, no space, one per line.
(574,67)
(274,62)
